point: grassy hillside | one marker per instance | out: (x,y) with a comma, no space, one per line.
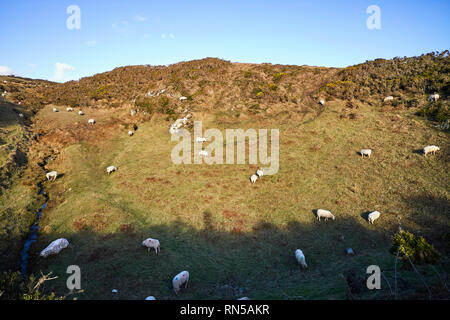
(236,239)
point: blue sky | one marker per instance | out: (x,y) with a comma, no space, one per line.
(36,42)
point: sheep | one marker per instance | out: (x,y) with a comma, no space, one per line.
(132,112)
(433,97)
(259,173)
(51,176)
(373,216)
(151,243)
(183,98)
(55,247)
(111,169)
(365,152)
(203,153)
(130,133)
(322,102)
(80,113)
(150,298)
(430,149)
(91,121)
(300,257)
(389,98)
(55,110)
(21,115)
(69,109)
(321,213)
(179,280)
(200,139)
(253,178)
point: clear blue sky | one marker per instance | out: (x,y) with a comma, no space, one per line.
(119,33)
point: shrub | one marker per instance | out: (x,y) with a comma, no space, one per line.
(14,287)
(415,247)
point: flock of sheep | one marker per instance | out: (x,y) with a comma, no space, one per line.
(182,278)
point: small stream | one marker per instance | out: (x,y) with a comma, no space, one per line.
(32,235)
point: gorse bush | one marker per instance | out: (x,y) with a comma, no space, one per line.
(414,247)
(438,111)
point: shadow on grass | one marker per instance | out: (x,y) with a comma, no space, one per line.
(259,263)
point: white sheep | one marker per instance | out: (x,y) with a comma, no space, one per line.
(200,139)
(365,152)
(51,175)
(130,133)
(55,247)
(183,98)
(80,113)
(300,257)
(111,169)
(253,178)
(259,173)
(179,280)
(69,109)
(389,98)
(55,110)
(203,153)
(322,102)
(321,213)
(430,149)
(433,97)
(373,216)
(91,121)
(151,243)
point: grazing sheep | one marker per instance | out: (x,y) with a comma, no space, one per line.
(80,113)
(321,213)
(130,133)
(430,149)
(69,109)
(365,152)
(132,112)
(253,178)
(91,121)
(300,258)
(183,98)
(389,98)
(111,169)
(151,243)
(200,139)
(179,280)
(55,247)
(373,216)
(259,173)
(433,97)
(322,102)
(55,110)
(203,153)
(51,175)
(150,298)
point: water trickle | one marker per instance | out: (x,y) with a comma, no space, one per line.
(32,235)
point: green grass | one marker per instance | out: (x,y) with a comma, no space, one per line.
(212,222)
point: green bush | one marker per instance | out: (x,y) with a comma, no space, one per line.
(415,247)
(14,287)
